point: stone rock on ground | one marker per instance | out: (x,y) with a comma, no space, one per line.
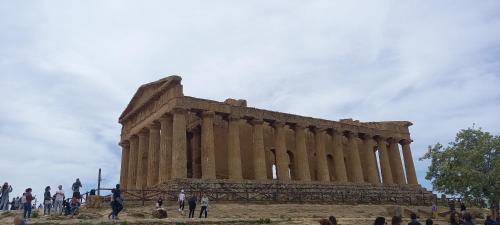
(159,213)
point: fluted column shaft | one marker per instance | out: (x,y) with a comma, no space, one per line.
(125,164)
(233,151)
(411,175)
(321,163)
(355,162)
(280,150)
(165,148)
(179,144)
(259,154)
(207,146)
(196,154)
(132,164)
(338,158)
(371,168)
(396,164)
(154,153)
(142,162)
(303,173)
(385,166)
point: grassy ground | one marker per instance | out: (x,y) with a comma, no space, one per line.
(233,213)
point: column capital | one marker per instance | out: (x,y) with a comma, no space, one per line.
(336,131)
(392,140)
(349,134)
(366,136)
(144,131)
(154,126)
(317,129)
(205,114)
(299,126)
(166,116)
(405,141)
(124,143)
(257,121)
(179,110)
(233,117)
(278,124)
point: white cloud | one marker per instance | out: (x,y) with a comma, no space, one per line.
(67,70)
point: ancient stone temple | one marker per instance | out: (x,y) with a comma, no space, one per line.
(170,140)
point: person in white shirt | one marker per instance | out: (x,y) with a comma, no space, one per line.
(58,204)
(181,199)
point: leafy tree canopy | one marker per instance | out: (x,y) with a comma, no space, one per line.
(468,167)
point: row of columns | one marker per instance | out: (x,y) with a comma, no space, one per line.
(165,141)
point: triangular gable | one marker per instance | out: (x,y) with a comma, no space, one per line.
(147,91)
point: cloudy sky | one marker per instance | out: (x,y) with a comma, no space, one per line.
(68,69)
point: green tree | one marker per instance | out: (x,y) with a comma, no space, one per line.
(468,167)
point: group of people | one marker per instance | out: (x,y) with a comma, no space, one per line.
(192,203)
(57,203)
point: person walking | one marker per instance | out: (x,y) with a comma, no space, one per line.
(4,200)
(413,218)
(204,205)
(47,201)
(116,202)
(27,204)
(192,205)
(434,210)
(59,199)
(76,188)
(180,200)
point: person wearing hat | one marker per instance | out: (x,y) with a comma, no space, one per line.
(181,199)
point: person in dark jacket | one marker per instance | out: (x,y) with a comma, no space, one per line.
(47,201)
(192,205)
(396,220)
(429,222)
(116,202)
(468,219)
(379,221)
(413,218)
(489,221)
(333,220)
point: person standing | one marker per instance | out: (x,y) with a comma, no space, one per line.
(116,202)
(204,205)
(468,219)
(4,200)
(58,203)
(192,205)
(76,188)
(463,208)
(47,200)
(434,210)
(27,205)
(159,203)
(181,199)
(379,221)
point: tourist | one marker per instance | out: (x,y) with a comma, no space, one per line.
(454,219)
(67,207)
(434,210)
(379,221)
(489,221)
(204,205)
(59,199)
(27,205)
(324,222)
(47,201)
(4,200)
(76,187)
(413,218)
(398,211)
(333,220)
(451,204)
(23,201)
(181,199)
(468,219)
(19,221)
(396,220)
(429,222)
(75,203)
(116,202)
(192,205)
(159,203)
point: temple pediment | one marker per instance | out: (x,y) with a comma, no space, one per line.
(147,92)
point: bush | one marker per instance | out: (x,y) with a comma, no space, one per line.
(264,221)
(124,223)
(35,214)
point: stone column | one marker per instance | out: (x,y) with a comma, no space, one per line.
(233,149)
(303,173)
(321,163)
(124,165)
(338,157)
(259,153)
(280,151)
(355,162)
(179,144)
(207,146)
(154,153)
(371,169)
(132,164)
(142,161)
(411,175)
(165,148)
(196,153)
(385,166)
(395,161)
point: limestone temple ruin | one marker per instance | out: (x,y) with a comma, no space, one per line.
(171,141)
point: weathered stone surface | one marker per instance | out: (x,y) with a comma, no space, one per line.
(159,213)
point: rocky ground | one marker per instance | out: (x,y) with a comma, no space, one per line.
(233,213)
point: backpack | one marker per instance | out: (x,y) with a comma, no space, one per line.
(23,199)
